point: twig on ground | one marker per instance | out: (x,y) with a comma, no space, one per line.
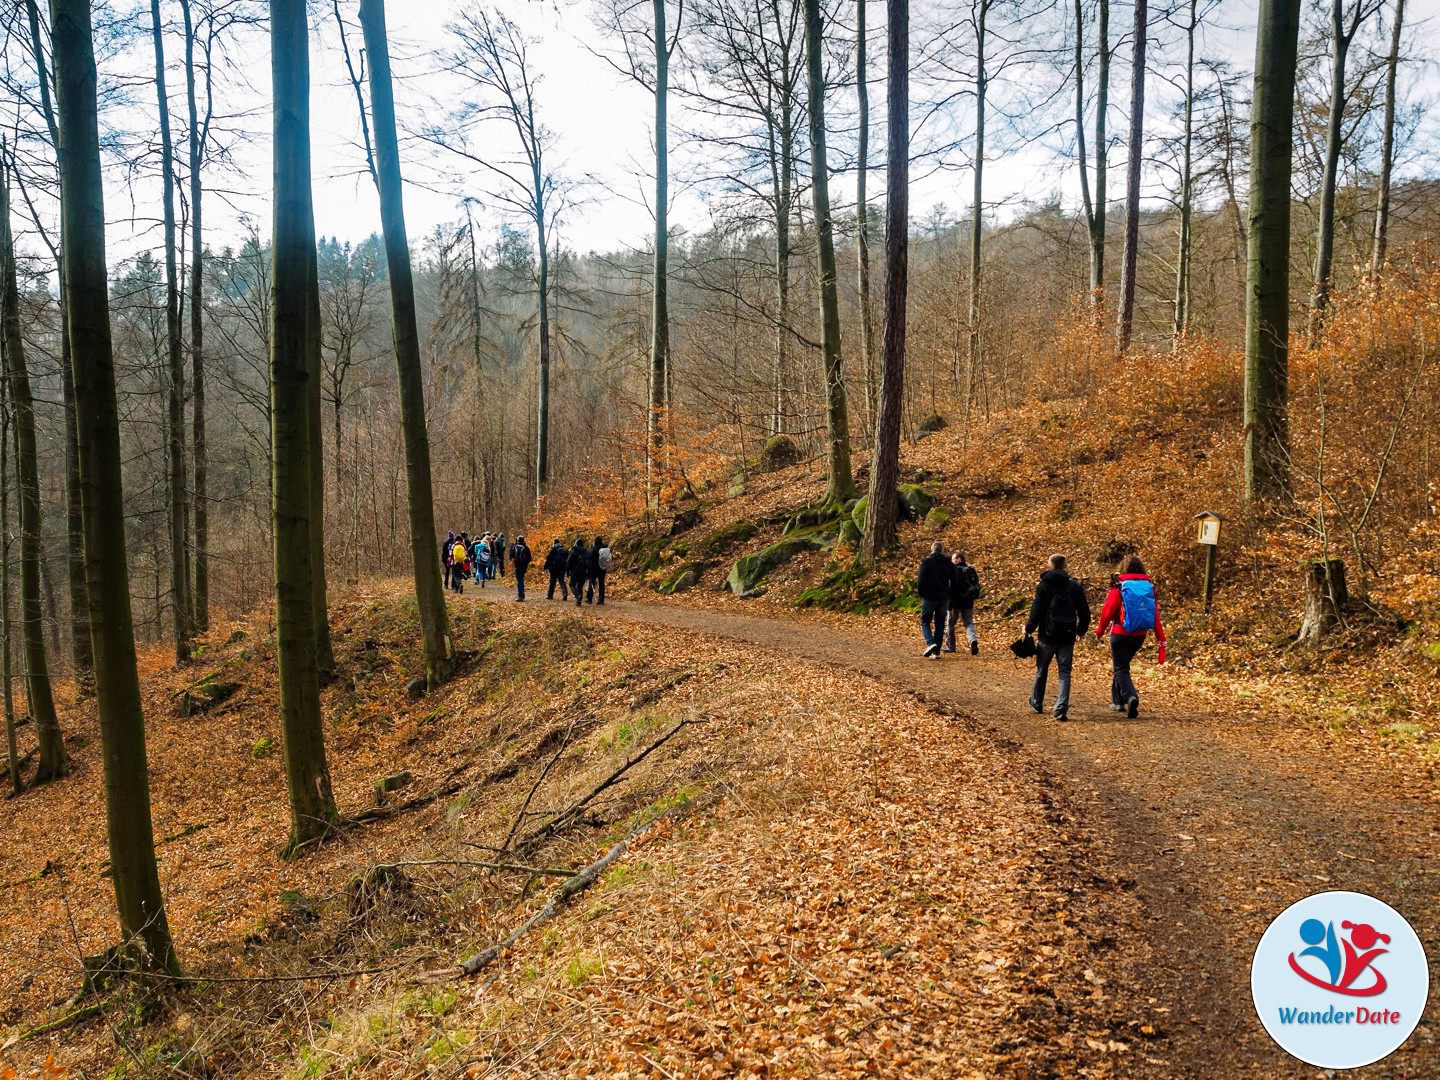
(564,742)
(546,871)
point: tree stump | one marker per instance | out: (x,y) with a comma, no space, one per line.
(1326,598)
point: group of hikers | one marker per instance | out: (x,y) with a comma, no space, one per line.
(579,570)
(948,587)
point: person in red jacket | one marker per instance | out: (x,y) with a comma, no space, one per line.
(1130,613)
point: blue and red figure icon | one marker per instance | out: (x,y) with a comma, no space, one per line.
(1358,956)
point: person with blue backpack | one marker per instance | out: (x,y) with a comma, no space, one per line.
(1131,611)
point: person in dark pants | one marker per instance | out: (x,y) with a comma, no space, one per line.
(577,567)
(599,567)
(556,560)
(520,562)
(1061,614)
(932,585)
(964,591)
(500,555)
(447,558)
(1130,613)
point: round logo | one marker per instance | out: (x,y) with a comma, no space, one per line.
(1339,980)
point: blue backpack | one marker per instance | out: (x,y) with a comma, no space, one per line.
(1139,599)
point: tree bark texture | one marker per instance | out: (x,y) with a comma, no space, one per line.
(1340,40)
(312,805)
(841,482)
(885,465)
(175,367)
(54,761)
(977,207)
(1326,597)
(1130,256)
(200,597)
(660,315)
(429,590)
(1267,264)
(320,605)
(862,216)
(1182,257)
(117,682)
(7,681)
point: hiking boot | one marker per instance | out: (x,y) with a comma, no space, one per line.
(949,648)
(1132,707)
(1063,717)
(1036,708)
(1116,708)
(974,648)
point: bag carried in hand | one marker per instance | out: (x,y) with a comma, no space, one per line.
(1138,598)
(1024,648)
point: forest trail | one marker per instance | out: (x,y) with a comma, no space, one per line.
(1220,820)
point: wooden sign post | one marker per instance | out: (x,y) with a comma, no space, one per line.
(1207,532)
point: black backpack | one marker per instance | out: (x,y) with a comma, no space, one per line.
(1063,620)
(970,589)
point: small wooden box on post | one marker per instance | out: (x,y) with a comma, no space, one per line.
(1207,532)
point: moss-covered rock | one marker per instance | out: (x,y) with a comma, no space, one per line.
(780,452)
(932,423)
(683,578)
(915,501)
(937,518)
(205,694)
(857,512)
(856,589)
(648,555)
(750,570)
(849,533)
(809,517)
(721,541)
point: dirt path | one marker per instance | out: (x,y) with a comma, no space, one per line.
(1220,820)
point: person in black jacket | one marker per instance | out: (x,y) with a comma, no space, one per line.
(578,568)
(964,591)
(556,560)
(597,571)
(1061,614)
(932,585)
(520,561)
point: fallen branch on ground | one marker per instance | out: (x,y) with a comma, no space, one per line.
(564,742)
(547,871)
(567,817)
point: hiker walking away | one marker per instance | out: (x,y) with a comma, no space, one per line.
(578,569)
(932,585)
(556,561)
(600,559)
(520,560)
(459,555)
(964,591)
(1130,613)
(447,557)
(1061,614)
(484,559)
(500,555)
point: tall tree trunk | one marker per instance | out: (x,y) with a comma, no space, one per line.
(1334,135)
(429,590)
(81,655)
(542,424)
(1267,272)
(1130,257)
(660,316)
(312,804)
(782,276)
(977,207)
(841,482)
(1182,258)
(1387,145)
(320,607)
(200,600)
(862,217)
(175,370)
(54,762)
(117,682)
(1096,210)
(885,464)
(7,681)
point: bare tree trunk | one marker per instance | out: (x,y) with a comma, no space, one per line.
(841,483)
(660,316)
(1267,308)
(542,440)
(1340,41)
(320,606)
(175,369)
(977,206)
(1130,256)
(885,466)
(1182,258)
(429,590)
(862,216)
(1387,146)
(312,804)
(198,135)
(1096,210)
(81,654)
(117,682)
(7,682)
(54,761)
